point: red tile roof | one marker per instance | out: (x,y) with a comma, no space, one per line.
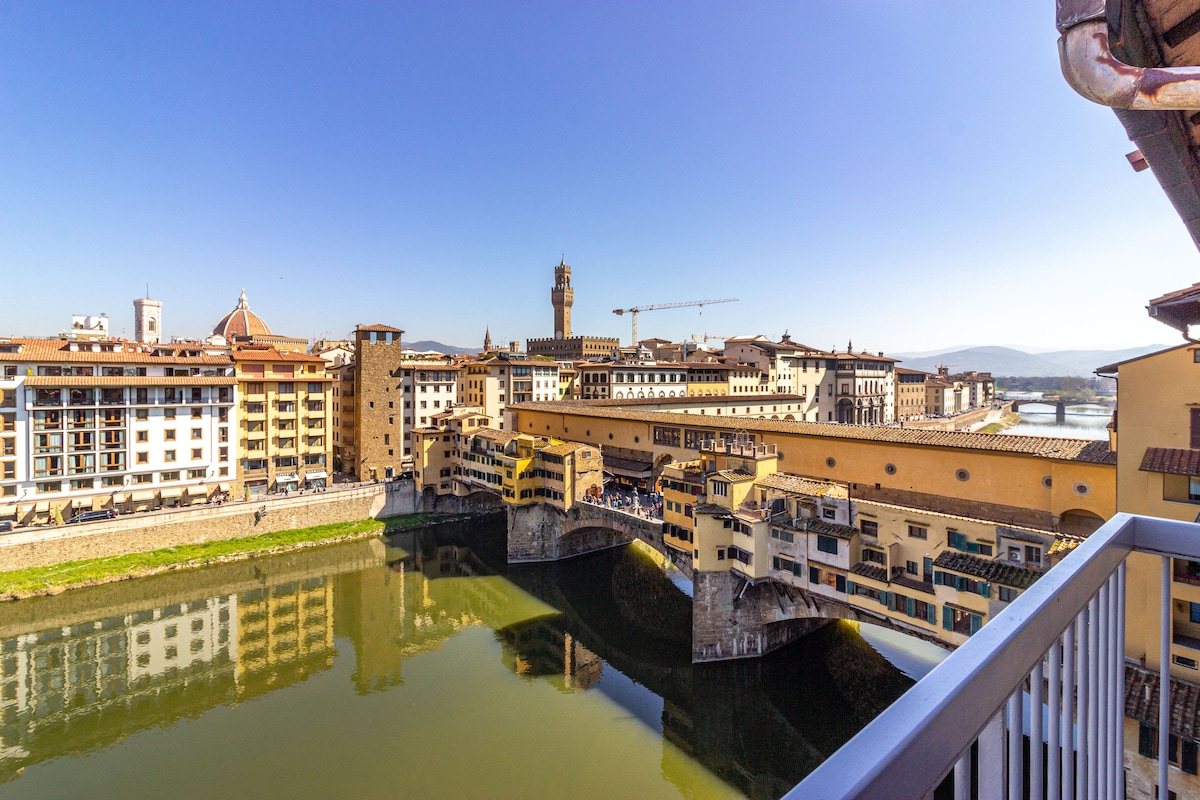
(1171,461)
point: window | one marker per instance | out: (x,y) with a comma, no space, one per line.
(829,513)
(918,532)
(143,458)
(195,474)
(168,455)
(168,413)
(869,527)
(197,413)
(720,489)
(169,434)
(827,544)
(173,475)
(197,433)
(197,453)
(911,567)
(144,477)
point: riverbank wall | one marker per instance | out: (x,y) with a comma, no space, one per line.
(139,533)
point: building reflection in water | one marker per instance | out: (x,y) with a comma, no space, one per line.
(84,670)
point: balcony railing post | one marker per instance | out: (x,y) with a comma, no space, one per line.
(991,758)
(1119,687)
(1068,712)
(962,776)
(1103,707)
(1035,732)
(1054,732)
(1093,692)
(1016,741)
(1164,678)
(1084,700)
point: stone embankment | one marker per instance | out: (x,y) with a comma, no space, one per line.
(139,533)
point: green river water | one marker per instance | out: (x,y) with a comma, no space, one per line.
(417,665)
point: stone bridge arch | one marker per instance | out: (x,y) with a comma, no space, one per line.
(735,618)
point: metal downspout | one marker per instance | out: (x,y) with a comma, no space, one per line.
(1092,70)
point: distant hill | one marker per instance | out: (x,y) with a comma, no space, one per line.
(1011,362)
(448,349)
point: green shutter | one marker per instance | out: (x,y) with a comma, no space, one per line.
(973,547)
(910,606)
(883,598)
(976,623)
(984,589)
(931,616)
(948,618)
(850,587)
(891,601)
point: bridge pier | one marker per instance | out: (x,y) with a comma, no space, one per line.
(1060,411)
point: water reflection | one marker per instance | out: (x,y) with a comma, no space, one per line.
(443,637)
(1081,422)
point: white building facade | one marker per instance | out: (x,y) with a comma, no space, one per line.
(91,425)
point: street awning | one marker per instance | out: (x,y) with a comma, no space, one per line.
(315,476)
(286,478)
(119,497)
(42,506)
(169,494)
(224,487)
(197,491)
(142,497)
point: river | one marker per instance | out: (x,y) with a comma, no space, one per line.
(1081,422)
(418,665)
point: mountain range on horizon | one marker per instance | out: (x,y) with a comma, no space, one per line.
(1009,361)
(996,359)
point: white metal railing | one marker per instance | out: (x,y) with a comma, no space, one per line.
(1064,638)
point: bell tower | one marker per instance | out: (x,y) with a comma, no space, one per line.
(147,320)
(562,297)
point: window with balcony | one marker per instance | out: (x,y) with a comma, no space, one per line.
(112,397)
(47,397)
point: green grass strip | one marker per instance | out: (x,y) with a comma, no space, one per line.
(92,571)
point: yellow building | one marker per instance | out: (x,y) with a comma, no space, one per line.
(459,455)
(939,576)
(284,407)
(1064,484)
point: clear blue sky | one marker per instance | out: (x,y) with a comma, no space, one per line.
(906,175)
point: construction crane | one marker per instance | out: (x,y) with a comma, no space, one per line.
(637,309)
(706,337)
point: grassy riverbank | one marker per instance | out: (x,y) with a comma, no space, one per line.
(39,581)
(996,427)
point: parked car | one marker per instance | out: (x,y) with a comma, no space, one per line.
(6,526)
(92,516)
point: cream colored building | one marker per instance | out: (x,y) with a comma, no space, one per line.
(495,383)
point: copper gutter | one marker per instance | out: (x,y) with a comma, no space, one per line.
(1092,70)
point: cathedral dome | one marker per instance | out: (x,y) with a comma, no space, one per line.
(241,322)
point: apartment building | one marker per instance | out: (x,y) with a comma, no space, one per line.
(104,424)
(284,402)
(636,380)
(937,575)
(459,455)
(495,383)
(787,367)
(910,394)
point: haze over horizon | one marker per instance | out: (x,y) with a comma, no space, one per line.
(426,165)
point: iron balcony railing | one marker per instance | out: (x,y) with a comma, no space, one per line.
(1062,645)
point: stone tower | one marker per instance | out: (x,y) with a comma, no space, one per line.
(487,340)
(562,296)
(147,320)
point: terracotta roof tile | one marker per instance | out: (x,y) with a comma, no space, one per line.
(271,354)
(872,571)
(988,570)
(56,351)
(798,484)
(1141,702)
(831,529)
(1171,461)
(379,327)
(1095,452)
